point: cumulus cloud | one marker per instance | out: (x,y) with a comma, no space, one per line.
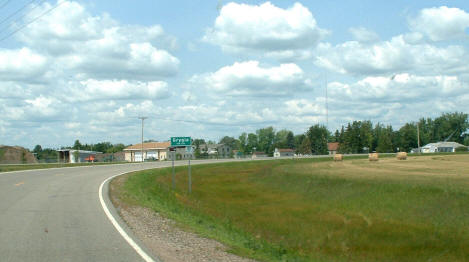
(251,79)
(266,29)
(441,23)
(98,46)
(362,34)
(93,89)
(390,57)
(403,88)
(22,65)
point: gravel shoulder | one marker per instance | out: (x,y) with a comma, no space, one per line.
(164,238)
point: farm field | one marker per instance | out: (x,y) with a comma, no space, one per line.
(320,210)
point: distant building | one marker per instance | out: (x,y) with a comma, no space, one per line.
(156,151)
(259,154)
(216,150)
(283,152)
(151,151)
(76,156)
(440,147)
(333,148)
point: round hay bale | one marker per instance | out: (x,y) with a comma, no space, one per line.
(373,156)
(338,157)
(401,156)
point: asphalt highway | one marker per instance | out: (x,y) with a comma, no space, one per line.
(56,215)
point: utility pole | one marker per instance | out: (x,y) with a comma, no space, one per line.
(143,119)
(327,106)
(418,137)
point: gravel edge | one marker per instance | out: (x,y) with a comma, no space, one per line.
(162,236)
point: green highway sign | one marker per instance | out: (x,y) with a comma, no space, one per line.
(181,141)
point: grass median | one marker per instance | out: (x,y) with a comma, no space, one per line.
(319,210)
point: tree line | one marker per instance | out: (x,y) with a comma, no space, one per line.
(354,137)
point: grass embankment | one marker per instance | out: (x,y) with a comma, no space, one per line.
(20,167)
(319,210)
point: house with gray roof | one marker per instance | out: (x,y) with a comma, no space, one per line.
(440,147)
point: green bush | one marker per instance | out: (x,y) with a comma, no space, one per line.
(462,149)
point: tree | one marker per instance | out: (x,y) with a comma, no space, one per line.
(229,141)
(37,149)
(265,138)
(407,137)
(318,136)
(384,138)
(243,143)
(77,145)
(116,148)
(451,126)
(252,142)
(290,140)
(299,141)
(305,147)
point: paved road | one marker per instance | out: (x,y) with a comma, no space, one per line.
(56,215)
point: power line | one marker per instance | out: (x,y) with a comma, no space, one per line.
(23,16)
(32,21)
(16,12)
(5,4)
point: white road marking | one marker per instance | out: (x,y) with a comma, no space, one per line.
(127,238)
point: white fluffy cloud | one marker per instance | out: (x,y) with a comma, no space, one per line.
(251,79)
(441,23)
(390,57)
(93,89)
(22,65)
(98,46)
(266,29)
(402,88)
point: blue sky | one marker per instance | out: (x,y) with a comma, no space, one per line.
(88,69)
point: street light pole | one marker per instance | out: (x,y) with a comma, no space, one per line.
(143,119)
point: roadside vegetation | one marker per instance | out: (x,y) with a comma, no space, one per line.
(320,210)
(8,168)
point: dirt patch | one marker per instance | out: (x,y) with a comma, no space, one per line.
(161,235)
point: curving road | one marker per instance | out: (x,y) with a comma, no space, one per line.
(56,215)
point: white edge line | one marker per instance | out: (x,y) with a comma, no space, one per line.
(121,231)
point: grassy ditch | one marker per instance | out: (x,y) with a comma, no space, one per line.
(8,168)
(319,210)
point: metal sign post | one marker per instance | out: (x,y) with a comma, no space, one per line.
(184,141)
(190,177)
(189,150)
(173,175)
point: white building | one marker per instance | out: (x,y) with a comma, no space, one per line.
(76,156)
(440,147)
(216,150)
(156,151)
(284,152)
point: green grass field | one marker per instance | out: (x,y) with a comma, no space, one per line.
(320,210)
(8,168)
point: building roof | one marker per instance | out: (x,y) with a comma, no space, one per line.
(259,153)
(150,145)
(284,150)
(79,151)
(444,144)
(333,146)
